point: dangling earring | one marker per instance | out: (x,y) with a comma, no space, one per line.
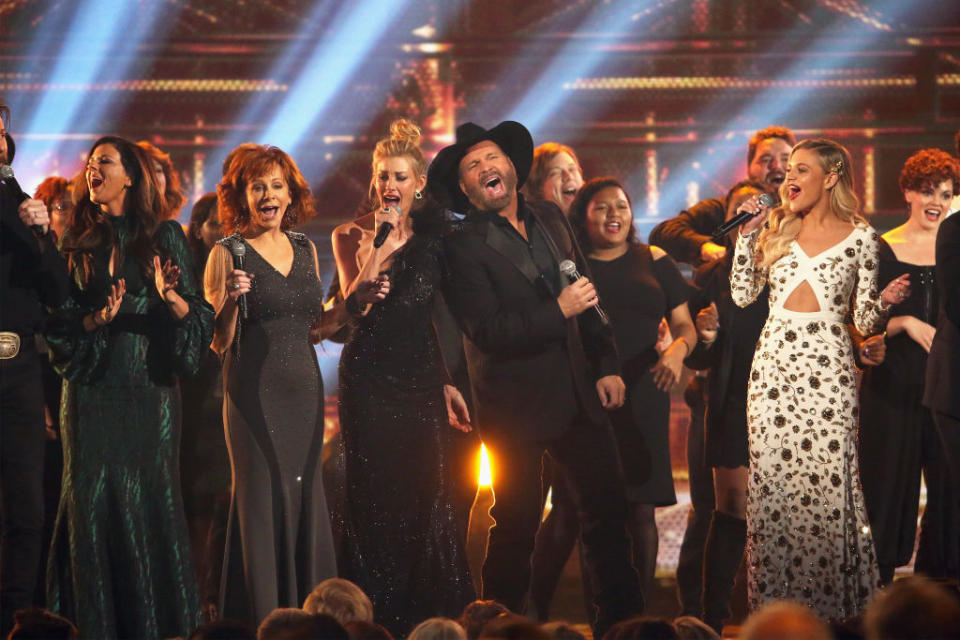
(418,195)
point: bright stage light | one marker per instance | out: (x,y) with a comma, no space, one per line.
(546,96)
(784,94)
(354,32)
(485,477)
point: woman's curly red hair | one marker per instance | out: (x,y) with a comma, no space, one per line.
(250,164)
(927,168)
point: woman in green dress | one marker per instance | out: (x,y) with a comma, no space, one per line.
(120,563)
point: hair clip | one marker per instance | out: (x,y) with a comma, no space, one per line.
(838,167)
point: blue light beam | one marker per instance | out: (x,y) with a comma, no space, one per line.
(353,34)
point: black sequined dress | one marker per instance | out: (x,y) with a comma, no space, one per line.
(402,542)
(279,544)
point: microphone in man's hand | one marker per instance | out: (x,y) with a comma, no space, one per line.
(765,201)
(7,178)
(238,250)
(569,271)
(385,229)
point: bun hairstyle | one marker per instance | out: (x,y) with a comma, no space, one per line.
(404,141)
(783,225)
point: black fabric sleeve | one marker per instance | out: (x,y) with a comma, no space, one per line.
(675,288)
(683,235)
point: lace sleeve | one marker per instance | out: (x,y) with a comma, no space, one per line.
(747,279)
(868,315)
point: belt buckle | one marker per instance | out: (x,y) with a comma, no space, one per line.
(9,345)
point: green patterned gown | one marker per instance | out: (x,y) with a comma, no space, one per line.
(120,563)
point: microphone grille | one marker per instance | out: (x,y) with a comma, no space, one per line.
(238,248)
(6,171)
(567,267)
(765,200)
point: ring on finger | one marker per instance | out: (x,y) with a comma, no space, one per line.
(236,285)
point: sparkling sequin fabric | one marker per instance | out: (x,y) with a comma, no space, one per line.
(807,533)
(279,543)
(402,542)
(120,563)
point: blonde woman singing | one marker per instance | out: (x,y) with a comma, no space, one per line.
(807,533)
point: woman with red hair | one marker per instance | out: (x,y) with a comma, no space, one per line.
(268,315)
(898,439)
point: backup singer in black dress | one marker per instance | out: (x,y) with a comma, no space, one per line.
(279,544)
(404,547)
(898,439)
(727,339)
(639,285)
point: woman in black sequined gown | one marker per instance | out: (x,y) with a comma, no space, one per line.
(403,546)
(898,439)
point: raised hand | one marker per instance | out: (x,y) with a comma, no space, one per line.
(112,308)
(753,206)
(896,291)
(34,212)
(166,277)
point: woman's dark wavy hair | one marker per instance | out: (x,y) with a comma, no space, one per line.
(89,230)
(250,164)
(578,210)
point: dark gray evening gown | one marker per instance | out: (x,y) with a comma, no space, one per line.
(279,544)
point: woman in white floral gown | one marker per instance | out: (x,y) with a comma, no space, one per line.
(807,533)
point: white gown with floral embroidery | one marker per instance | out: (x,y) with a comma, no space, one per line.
(807,534)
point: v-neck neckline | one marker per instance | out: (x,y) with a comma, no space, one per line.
(271,265)
(827,250)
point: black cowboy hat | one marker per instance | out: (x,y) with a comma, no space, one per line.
(443,176)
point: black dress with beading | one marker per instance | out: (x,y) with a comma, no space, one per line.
(279,544)
(402,541)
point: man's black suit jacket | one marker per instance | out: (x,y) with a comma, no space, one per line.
(942,391)
(521,352)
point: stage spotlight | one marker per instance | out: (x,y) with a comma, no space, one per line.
(775,103)
(355,31)
(544,99)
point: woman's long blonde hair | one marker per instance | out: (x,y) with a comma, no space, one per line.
(783,226)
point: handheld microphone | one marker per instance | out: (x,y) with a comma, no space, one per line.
(385,229)
(765,201)
(7,177)
(238,250)
(569,270)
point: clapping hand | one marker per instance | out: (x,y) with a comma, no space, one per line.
(112,308)
(166,276)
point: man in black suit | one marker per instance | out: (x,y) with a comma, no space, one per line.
(543,367)
(942,391)
(32,274)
